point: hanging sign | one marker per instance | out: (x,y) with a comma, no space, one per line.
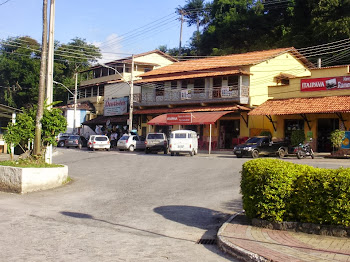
(326,83)
(179,119)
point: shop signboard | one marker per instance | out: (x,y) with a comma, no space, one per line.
(185,94)
(179,119)
(116,106)
(346,141)
(226,91)
(325,83)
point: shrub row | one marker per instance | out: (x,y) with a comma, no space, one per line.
(277,191)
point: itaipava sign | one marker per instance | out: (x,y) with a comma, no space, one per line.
(326,83)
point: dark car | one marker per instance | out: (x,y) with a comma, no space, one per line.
(156,142)
(261,145)
(73,141)
(61,138)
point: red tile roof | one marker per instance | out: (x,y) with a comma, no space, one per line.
(311,105)
(190,75)
(191,109)
(234,60)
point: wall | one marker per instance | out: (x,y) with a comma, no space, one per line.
(263,75)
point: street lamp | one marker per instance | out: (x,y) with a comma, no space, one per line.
(75,99)
(131,84)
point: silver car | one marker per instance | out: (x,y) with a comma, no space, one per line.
(131,143)
(99,142)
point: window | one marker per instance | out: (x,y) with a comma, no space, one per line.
(147,69)
(180,135)
(199,85)
(184,84)
(217,82)
(160,89)
(173,84)
(292,124)
(233,80)
(94,91)
(101,90)
(105,71)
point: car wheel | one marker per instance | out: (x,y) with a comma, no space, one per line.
(121,149)
(192,152)
(255,154)
(61,144)
(107,149)
(67,146)
(172,154)
(239,155)
(281,153)
(299,155)
(196,151)
(93,149)
(131,148)
(147,151)
(165,151)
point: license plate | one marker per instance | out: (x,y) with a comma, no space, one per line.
(180,146)
(238,152)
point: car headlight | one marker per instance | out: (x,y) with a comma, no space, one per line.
(248,148)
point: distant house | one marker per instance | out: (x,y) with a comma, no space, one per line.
(217,92)
(106,86)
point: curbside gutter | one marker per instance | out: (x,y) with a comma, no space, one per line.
(236,251)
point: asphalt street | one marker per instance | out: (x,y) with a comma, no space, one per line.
(124,206)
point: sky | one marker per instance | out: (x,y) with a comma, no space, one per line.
(119,28)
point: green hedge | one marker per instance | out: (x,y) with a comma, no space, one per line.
(276,190)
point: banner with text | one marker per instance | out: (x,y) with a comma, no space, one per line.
(116,106)
(179,119)
(326,83)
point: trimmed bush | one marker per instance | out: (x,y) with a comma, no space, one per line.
(275,190)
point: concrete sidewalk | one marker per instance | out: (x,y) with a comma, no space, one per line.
(247,243)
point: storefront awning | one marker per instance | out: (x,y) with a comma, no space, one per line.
(102,120)
(310,105)
(196,118)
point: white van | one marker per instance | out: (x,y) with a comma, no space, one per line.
(183,141)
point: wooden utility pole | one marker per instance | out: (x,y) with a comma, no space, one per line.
(131,108)
(41,95)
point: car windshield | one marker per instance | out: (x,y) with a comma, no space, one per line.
(101,138)
(180,135)
(74,137)
(253,140)
(155,136)
(124,138)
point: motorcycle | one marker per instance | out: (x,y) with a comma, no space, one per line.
(304,150)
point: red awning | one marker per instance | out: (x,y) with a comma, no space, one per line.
(198,118)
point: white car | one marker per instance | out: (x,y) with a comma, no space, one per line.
(131,143)
(98,142)
(183,141)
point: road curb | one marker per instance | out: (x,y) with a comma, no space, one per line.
(233,250)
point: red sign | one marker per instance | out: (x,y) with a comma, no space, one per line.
(179,119)
(326,83)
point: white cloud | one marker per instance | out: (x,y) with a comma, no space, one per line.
(111,48)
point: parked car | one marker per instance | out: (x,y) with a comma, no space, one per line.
(73,141)
(131,143)
(156,142)
(261,146)
(99,142)
(183,141)
(61,138)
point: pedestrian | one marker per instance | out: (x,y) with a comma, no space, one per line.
(114,137)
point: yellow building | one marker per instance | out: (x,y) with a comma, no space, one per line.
(317,104)
(228,85)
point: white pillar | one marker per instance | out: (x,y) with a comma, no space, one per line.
(209,139)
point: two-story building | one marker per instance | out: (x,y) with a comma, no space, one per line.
(213,95)
(108,84)
(317,104)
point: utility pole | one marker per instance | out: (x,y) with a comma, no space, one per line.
(182,21)
(49,76)
(75,102)
(131,108)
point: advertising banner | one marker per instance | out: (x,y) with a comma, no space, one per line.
(326,83)
(116,106)
(179,119)
(185,94)
(346,141)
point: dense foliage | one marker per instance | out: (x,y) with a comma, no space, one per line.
(23,130)
(276,190)
(337,137)
(238,26)
(20,68)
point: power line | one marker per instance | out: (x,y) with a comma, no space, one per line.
(5,2)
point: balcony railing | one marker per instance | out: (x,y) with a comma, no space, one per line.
(158,97)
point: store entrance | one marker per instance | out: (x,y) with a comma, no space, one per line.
(229,129)
(325,126)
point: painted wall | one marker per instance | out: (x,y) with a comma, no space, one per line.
(263,75)
(293,89)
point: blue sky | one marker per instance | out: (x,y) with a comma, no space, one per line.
(120,28)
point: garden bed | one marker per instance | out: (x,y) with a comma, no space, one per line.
(25,180)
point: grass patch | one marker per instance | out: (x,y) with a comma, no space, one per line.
(29,163)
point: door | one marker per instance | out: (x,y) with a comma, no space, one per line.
(229,130)
(325,126)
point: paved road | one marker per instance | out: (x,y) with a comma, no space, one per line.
(123,206)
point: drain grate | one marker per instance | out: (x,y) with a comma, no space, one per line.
(206,241)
